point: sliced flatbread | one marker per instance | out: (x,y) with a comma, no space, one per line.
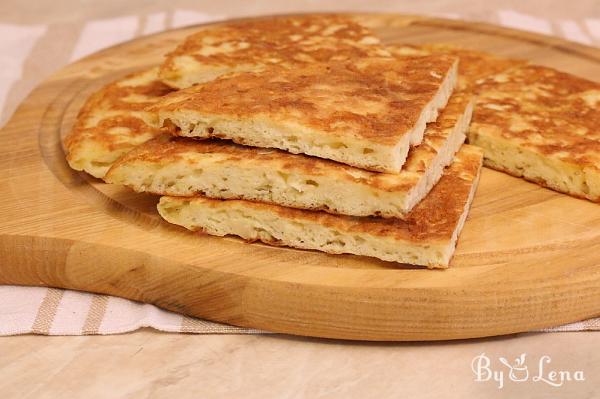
(532,122)
(474,66)
(543,125)
(111,122)
(251,45)
(366,113)
(219,169)
(427,238)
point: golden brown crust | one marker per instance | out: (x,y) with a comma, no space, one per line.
(256,43)
(552,113)
(434,218)
(168,149)
(110,122)
(474,66)
(436,133)
(377,99)
(546,118)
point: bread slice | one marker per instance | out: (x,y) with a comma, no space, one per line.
(543,125)
(111,122)
(474,66)
(532,122)
(220,169)
(365,113)
(253,44)
(427,238)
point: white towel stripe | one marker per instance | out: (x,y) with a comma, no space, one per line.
(189,17)
(593,27)
(104,33)
(154,23)
(19,308)
(71,313)
(517,20)
(16,42)
(572,31)
(123,315)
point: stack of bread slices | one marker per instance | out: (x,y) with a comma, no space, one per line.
(304,132)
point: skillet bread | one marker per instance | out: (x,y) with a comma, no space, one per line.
(218,169)
(532,122)
(427,238)
(111,122)
(542,125)
(474,68)
(365,113)
(252,45)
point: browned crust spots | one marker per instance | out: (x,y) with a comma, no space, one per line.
(168,149)
(433,219)
(276,40)
(109,108)
(474,66)
(548,112)
(377,99)
(544,110)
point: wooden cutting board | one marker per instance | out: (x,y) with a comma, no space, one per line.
(527,258)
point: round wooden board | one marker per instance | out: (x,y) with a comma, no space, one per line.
(527,258)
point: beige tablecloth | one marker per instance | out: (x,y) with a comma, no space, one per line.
(31,50)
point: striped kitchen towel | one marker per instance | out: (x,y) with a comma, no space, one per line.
(51,311)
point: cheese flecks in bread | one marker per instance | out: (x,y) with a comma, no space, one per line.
(254,44)
(543,125)
(366,113)
(219,169)
(474,68)
(111,122)
(532,122)
(427,238)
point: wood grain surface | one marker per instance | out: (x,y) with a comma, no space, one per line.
(527,258)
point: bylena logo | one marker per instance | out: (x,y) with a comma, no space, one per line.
(519,371)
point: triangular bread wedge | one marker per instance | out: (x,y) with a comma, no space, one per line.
(111,122)
(543,125)
(427,238)
(474,68)
(254,44)
(365,113)
(532,121)
(220,169)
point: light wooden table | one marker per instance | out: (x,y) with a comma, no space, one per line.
(147,364)
(156,365)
